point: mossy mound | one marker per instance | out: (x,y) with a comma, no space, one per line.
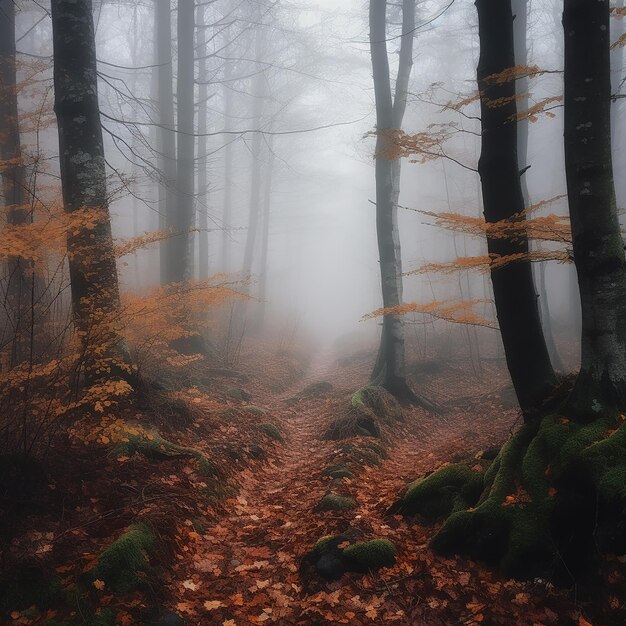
(314,390)
(368,453)
(255,410)
(153,446)
(239,394)
(334,555)
(124,565)
(272,432)
(379,401)
(374,554)
(335,502)
(352,424)
(367,409)
(453,488)
(553,498)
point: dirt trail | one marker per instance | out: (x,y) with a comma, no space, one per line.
(244,567)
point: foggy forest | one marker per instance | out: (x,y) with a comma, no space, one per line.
(312,312)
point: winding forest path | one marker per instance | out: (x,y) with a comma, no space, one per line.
(244,566)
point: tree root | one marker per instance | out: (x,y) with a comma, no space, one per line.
(550,502)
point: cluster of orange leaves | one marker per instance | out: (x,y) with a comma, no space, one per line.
(457,312)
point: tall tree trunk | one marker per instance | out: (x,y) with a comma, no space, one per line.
(617,111)
(167,135)
(520,28)
(598,245)
(203,187)
(259,94)
(181,264)
(514,290)
(265,235)
(228,168)
(20,271)
(389,369)
(93,271)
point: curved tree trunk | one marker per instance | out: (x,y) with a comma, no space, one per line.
(598,245)
(389,370)
(520,28)
(515,295)
(93,271)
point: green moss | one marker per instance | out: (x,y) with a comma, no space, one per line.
(554,496)
(374,554)
(272,432)
(335,502)
(452,488)
(153,446)
(377,400)
(122,564)
(322,544)
(255,410)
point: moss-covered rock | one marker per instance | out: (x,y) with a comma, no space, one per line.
(379,401)
(239,394)
(335,502)
(554,496)
(373,554)
(334,555)
(366,410)
(255,410)
(272,432)
(125,563)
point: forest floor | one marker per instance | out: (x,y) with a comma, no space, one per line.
(237,559)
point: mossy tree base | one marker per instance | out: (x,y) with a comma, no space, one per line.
(550,502)
(369,407)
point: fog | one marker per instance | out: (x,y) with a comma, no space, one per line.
(314,128)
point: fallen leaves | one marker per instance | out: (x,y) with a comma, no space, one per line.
(211,605)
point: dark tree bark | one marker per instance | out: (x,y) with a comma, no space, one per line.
(19,271)
(166,135)
(515,296)
(598,246)
(93,271)
(552,500)
(389,370)
(520,28)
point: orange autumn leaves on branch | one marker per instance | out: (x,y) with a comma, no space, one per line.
(457,312)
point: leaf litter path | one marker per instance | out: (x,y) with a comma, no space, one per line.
(243,565)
